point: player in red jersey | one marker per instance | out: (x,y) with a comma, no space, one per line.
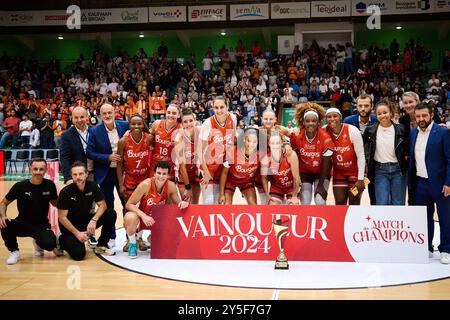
(217,136)
(163,139)
(240,173)
(283,168)
(268,120)
(314,148)
(186,169)
(151,192)
(349,161)
(134,150)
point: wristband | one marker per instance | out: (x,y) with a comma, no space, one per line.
(187,186)
(93,220)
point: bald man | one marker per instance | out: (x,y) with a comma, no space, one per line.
(102,149)
(74,143)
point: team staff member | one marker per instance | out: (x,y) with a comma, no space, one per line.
(74,212)
(33,199)
(74,143)
(102,149)
(362,120)
(73,148)
(157,190)
(429,170)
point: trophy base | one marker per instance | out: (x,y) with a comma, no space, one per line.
(281,265)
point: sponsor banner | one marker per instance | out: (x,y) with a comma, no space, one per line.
(290,10)
(442,6)
(323,9)
(21,18)
(249,11)
(167,14)
(359,8)
(207,13)
(54,18)
(315,233)
(114,16)
(412,6)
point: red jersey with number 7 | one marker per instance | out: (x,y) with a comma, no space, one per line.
(135,160)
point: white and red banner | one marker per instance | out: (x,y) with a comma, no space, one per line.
(207,13)
(316,233)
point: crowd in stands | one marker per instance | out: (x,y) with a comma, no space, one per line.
(36,100)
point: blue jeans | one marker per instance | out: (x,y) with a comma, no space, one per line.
(6,136)
(390,184)
(424,197)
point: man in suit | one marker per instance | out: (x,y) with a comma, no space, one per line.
(361,120)
(74,143)
(429,170)
(102,149)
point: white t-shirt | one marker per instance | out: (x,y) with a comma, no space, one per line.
(26,125)
(385,149)
(35,138)
(207,63)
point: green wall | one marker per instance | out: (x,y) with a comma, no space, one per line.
(68,50)
(431,37)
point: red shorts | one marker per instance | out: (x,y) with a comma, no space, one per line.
(142,226)
(243,187)
(193,178)
(344,179)
(279,192)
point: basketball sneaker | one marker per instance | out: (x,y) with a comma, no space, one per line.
(14,257)
(38,251)
(104,251)
(445,257)
(126,246)
(132,251)
(92,241)
(142,245)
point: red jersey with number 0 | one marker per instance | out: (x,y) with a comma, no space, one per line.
(344,156)
(310,152)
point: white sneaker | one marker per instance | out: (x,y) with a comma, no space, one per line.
(445,257)
(430,255)
(14,257)
(112,243)
(38,251)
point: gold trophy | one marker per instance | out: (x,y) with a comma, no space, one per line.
(281,229)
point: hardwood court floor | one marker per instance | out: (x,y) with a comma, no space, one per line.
(53,278)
